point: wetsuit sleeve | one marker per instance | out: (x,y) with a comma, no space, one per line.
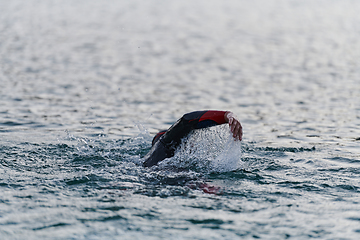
(204,119)
(190,121)
(171,139)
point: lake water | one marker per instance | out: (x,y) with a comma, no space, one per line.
(86,84)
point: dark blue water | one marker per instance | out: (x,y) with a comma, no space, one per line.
(86,84)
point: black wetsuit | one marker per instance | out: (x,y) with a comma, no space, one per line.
(166,142)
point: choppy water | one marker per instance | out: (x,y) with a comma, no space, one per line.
(85,85)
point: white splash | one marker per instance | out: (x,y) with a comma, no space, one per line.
(210,150)
(229,158)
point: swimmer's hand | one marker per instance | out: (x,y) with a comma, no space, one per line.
(234,124)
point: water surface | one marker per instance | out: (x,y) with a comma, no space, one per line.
(86,84)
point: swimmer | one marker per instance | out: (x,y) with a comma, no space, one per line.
(165,142)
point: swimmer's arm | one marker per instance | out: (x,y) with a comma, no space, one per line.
(169,140)
(204,119)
